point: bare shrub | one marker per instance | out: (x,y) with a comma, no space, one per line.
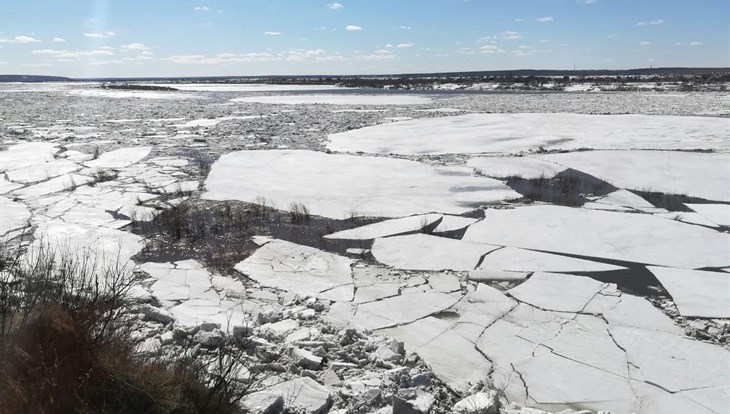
(299,212)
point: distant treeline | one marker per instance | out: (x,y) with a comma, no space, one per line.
(137,87)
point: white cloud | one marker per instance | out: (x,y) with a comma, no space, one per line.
(696,44)
(544,41)
(135,46)
(378,56)
(544,19)
(202,8)
(70,54)
(296,55)
(20,39)
(651,23)
(519,20)
(404,45)
(389,46)
(353,28)
(272,33)
(104,35)
(520,52)
(58,40)
(406,27)
(139,58)
(335,6)
(586,1)
(511,35)
(490,49)
(644,43)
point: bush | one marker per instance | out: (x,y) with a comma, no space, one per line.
(65,345)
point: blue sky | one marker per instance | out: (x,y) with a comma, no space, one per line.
(83,38)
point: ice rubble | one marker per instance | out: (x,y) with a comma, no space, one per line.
(639,238)
(341,99)
(511,133)
(695,174)
(338,186)
(696,293)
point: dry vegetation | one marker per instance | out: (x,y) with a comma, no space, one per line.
(65,345)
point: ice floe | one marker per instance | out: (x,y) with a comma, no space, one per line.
(339,186)
(13,215)
(296,268)
(119,158)
(522,260)
(510,133)
(695,174)
(340,99)
(387,228)
(717,213)
(695,292)
(525,167)
(639,238)
(426,252)
(557,292)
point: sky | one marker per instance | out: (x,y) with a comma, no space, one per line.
(137,38)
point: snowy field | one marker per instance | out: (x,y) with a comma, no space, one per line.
(564,251)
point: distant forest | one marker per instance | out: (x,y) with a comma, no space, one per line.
(416,80)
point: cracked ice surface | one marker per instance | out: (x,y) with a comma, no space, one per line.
(338,186)
(637,238)
(296,268)
(481,133)
(193,296)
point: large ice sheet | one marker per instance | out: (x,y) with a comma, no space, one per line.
(27,155)
(482,133)
(525,167)
(445,351)
(119,158)
(105,246)
(695,292)
(673,362)
(557,292)
(426,252)
(402,309)
(718,213)
(300,269)
(639,238)
(343,99)
(697,174)
(386,228)
(521,260)
(41,172)
(13,215)
(338,186)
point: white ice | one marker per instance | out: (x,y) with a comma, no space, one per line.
(717,213)
(510,133)
(13,215)
(300,269)
(639,238)
(557,292)
(338,186)
(525,167)
(426,252)
(696,293)
(521,260)
(341,99)
(386,228)
(120,158)
(703,175)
